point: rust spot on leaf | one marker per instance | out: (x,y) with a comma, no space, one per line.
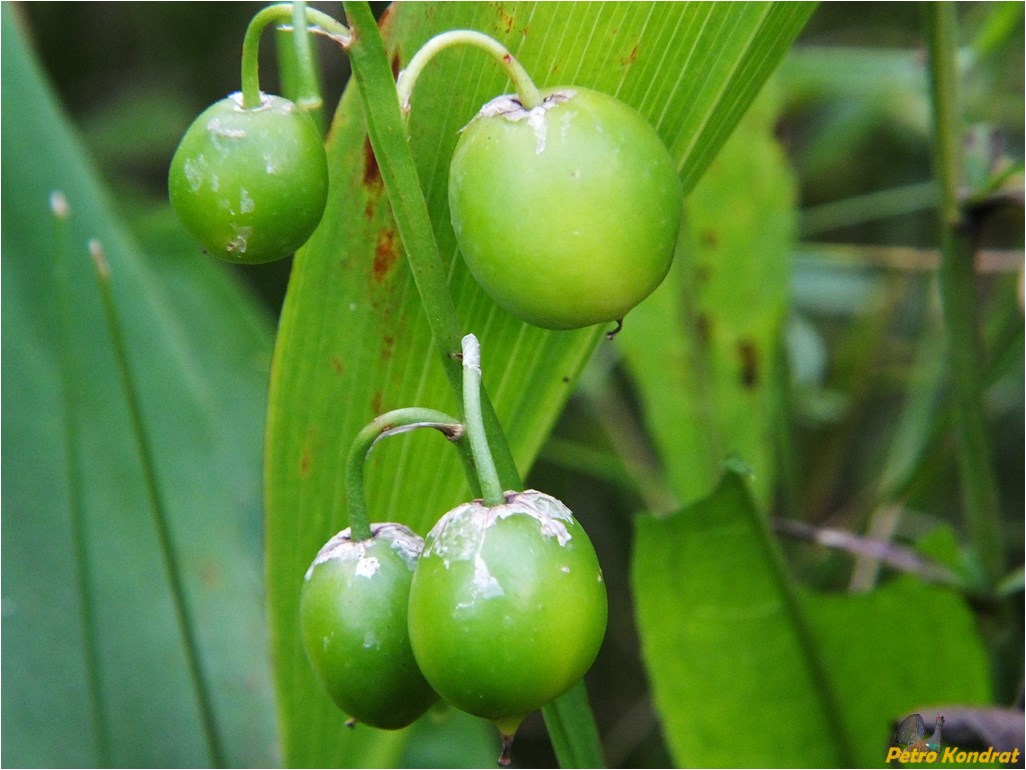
(376,403)
(371,172)
(506,20)
(387,346)
(396,65)
(749,356)
(336,365)
(630,58)
(305,461)
(710,239)
(703,272)
(385,254)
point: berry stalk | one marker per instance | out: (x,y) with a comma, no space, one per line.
(526,90)
(491,487)
(388,424)
(320,23)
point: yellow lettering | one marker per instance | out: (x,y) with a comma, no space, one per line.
(893,753)
(949,754)
(921,755)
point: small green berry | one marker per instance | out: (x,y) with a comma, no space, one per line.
(353,610)
(567,214)
(250,184)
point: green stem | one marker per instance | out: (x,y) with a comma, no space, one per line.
(160,516)
(491,487)
(297,66)
(957,282)
(76,505)
(572,729)
(389,424)
(849,212)
(399,173)
(279,14)
(526,90)
(387,136)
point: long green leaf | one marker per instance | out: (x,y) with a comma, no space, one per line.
(199,350)
(703,350)
(353,340)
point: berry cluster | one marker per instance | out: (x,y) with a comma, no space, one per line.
(566,207)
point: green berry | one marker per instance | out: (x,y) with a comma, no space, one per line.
(508,607)
(567,214)
(250,184)
(353,610)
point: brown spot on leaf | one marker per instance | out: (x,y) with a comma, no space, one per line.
(709,238)
(387,346)
(506,20)
(336,365)
(305,461)
(749,356)
(396,65)
(703,272)
(385,254)
(376,403)
(630,58)
(371,172)
(386,17)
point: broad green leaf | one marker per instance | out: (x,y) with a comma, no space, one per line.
(885,659)
(353,339)
(703,350)
(199,351)
(748,672)
(733,669)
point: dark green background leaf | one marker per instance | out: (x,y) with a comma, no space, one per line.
(199,350)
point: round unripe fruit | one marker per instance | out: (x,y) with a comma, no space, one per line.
(353,609)
(508,607)
(250,184)
(567,214)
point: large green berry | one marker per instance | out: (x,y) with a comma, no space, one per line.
(566,214)
(507,607)
(250,184)
(353,609)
